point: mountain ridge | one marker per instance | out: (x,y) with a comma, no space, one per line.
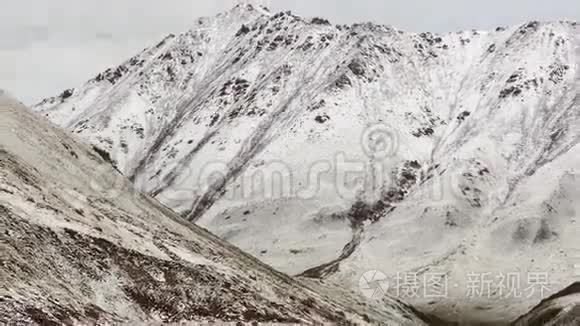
(469,121)
(81,246)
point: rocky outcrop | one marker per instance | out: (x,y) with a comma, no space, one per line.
(560,309)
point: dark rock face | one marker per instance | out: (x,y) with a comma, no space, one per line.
(426,131)
(463,115)
(104,155)
(243,30)
(357,68)
(561,309)
(343,82)
(320,21)
(510,91)
(66,94)
(322,118)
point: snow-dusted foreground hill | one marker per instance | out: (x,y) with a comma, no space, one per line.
(330,151)
(74,252)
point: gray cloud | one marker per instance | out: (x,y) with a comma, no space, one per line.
(46,46)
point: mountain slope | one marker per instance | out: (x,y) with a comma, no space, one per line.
(79,245)
(328,151)
(561,309)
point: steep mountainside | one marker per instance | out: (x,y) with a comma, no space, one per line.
(561,309)
(328,151)
(80,246)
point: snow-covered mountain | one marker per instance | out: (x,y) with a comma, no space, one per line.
(329,151)
(75,253)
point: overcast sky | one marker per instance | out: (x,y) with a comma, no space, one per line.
(49,45)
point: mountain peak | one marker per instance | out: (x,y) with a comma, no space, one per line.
(249,7)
